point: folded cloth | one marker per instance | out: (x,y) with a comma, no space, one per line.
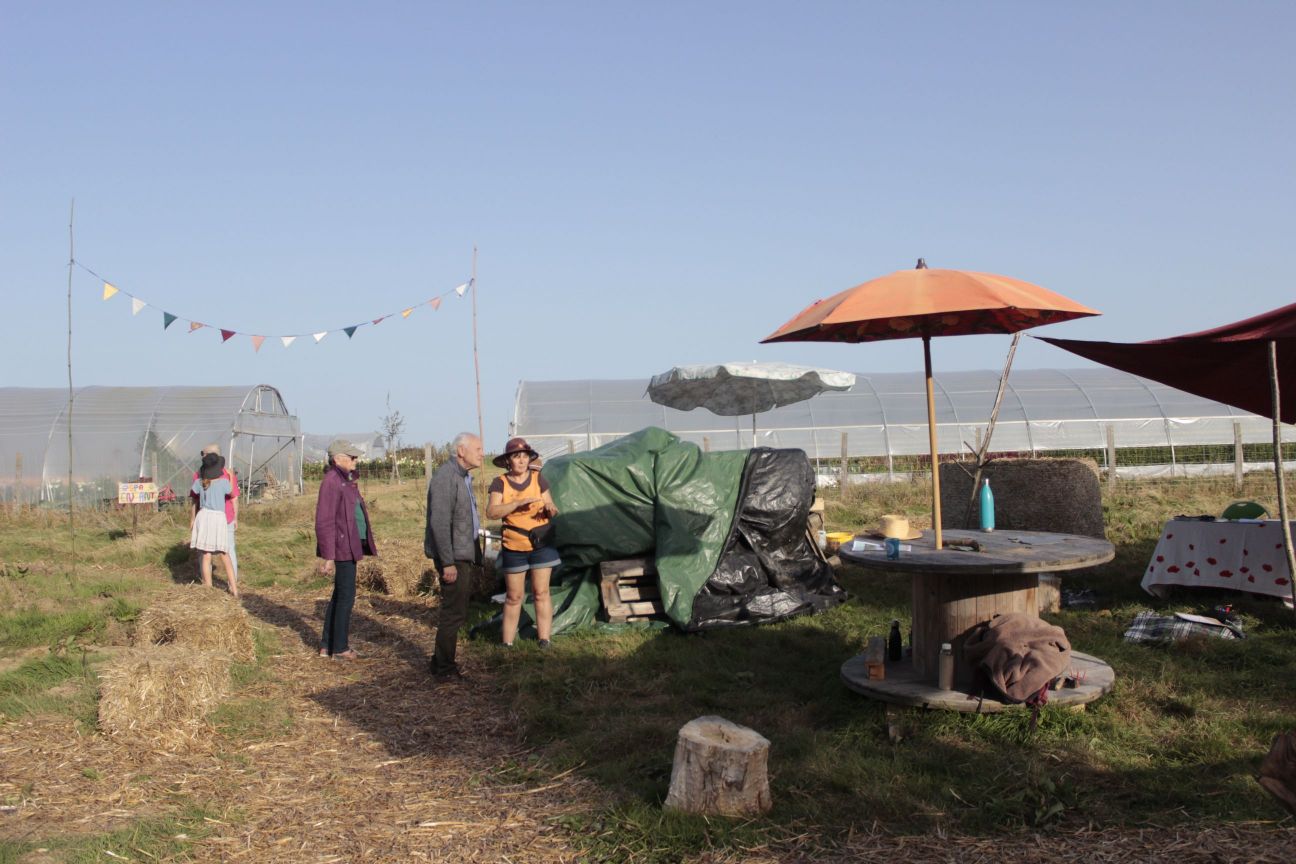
(1019,653)
(1151,627)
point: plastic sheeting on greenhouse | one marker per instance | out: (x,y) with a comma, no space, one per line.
(884,415)
(315,446)
(119,432)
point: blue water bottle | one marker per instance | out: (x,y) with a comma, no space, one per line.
(987,507)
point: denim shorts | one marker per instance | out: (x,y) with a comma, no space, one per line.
(521,562)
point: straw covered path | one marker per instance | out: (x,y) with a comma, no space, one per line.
(368,760)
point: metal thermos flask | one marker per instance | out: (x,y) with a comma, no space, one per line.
(895,646)
(987,507)
(945,667)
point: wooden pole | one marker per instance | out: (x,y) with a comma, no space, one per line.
(71,264)
(931,439)
(1276,399)
(427,461)
(845,465)
(1111,456)
(1238,457)
(481,429)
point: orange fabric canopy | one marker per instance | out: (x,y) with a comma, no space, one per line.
(924,302)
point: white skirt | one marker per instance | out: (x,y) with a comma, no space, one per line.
(210,532)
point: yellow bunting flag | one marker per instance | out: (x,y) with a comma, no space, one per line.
(109,290)
(406,313)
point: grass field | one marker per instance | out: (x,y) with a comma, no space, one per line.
(1177,742)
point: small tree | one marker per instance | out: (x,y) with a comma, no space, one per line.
(393,425)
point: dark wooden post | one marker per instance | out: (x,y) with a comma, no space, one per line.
(1111,456)
(845,465)
(1237,457)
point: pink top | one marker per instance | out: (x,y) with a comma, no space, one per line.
(229,499)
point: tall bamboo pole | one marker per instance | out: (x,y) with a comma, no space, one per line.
(931,438)
(1276,399)
(481,429)
(71,264)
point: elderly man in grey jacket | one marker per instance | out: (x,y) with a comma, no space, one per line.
(451,540)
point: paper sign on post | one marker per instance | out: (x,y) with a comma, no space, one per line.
(137,493)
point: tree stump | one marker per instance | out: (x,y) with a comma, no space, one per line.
(720,769)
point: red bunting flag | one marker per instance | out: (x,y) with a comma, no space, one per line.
(226,335)
(435,302)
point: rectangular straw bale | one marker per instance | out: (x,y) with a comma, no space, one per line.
(1062,495)
(399,570)
(161,695)
(195,616)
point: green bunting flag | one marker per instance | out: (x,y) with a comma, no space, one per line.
(350,331)
(167,320)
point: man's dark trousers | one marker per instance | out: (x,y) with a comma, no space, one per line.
(454,614)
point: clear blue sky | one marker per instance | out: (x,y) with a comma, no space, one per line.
(649,184)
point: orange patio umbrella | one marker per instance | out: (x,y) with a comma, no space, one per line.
(926,303)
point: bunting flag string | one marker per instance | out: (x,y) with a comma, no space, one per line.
(111,290)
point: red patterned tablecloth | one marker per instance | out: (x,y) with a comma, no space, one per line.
(1243,556)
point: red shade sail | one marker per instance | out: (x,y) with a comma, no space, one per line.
(1228,364)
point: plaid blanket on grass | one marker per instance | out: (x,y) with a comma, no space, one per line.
(1151,627)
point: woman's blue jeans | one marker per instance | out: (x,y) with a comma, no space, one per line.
(337,616)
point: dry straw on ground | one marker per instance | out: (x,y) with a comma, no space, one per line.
(161,694)
(1029,495)
(399,570)
(194,616)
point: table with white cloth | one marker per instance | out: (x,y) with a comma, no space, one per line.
(1243,554)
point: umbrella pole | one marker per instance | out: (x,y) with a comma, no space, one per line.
(1278,468)
(931,437)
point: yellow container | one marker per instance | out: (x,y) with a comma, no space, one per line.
(837,538)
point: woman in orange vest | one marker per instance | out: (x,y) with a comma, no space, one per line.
(521,498)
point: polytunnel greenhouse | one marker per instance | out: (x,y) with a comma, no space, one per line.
(123,434)
(881,422)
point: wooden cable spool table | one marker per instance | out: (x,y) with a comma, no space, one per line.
(976,576)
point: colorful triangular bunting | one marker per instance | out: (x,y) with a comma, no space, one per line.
(194,325)
(350,331)
(319,337)
(226,335)
(136,305)
(256,343)
(167,320)
(435,302)
(382,319)
(406,312)
(461,289)
(287,340)
(109,290)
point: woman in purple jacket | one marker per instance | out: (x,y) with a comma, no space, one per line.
(343,536)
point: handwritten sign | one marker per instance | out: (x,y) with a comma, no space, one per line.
(137,493)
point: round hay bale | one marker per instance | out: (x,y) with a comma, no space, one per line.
(399,570)
(1061,495)
(194,616)
(161,695)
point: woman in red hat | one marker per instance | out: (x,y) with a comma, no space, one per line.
(521,498)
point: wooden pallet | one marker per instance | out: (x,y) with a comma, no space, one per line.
(629,590)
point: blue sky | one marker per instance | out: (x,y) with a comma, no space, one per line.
(648,184)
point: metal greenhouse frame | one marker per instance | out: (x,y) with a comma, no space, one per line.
(120,434)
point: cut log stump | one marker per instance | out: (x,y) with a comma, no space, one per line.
(720,769)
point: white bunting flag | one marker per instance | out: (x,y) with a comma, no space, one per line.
(136,305)
(319,337)
(461,289)
(287,340)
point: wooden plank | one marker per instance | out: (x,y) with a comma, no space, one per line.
(630,592)
(628,567)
